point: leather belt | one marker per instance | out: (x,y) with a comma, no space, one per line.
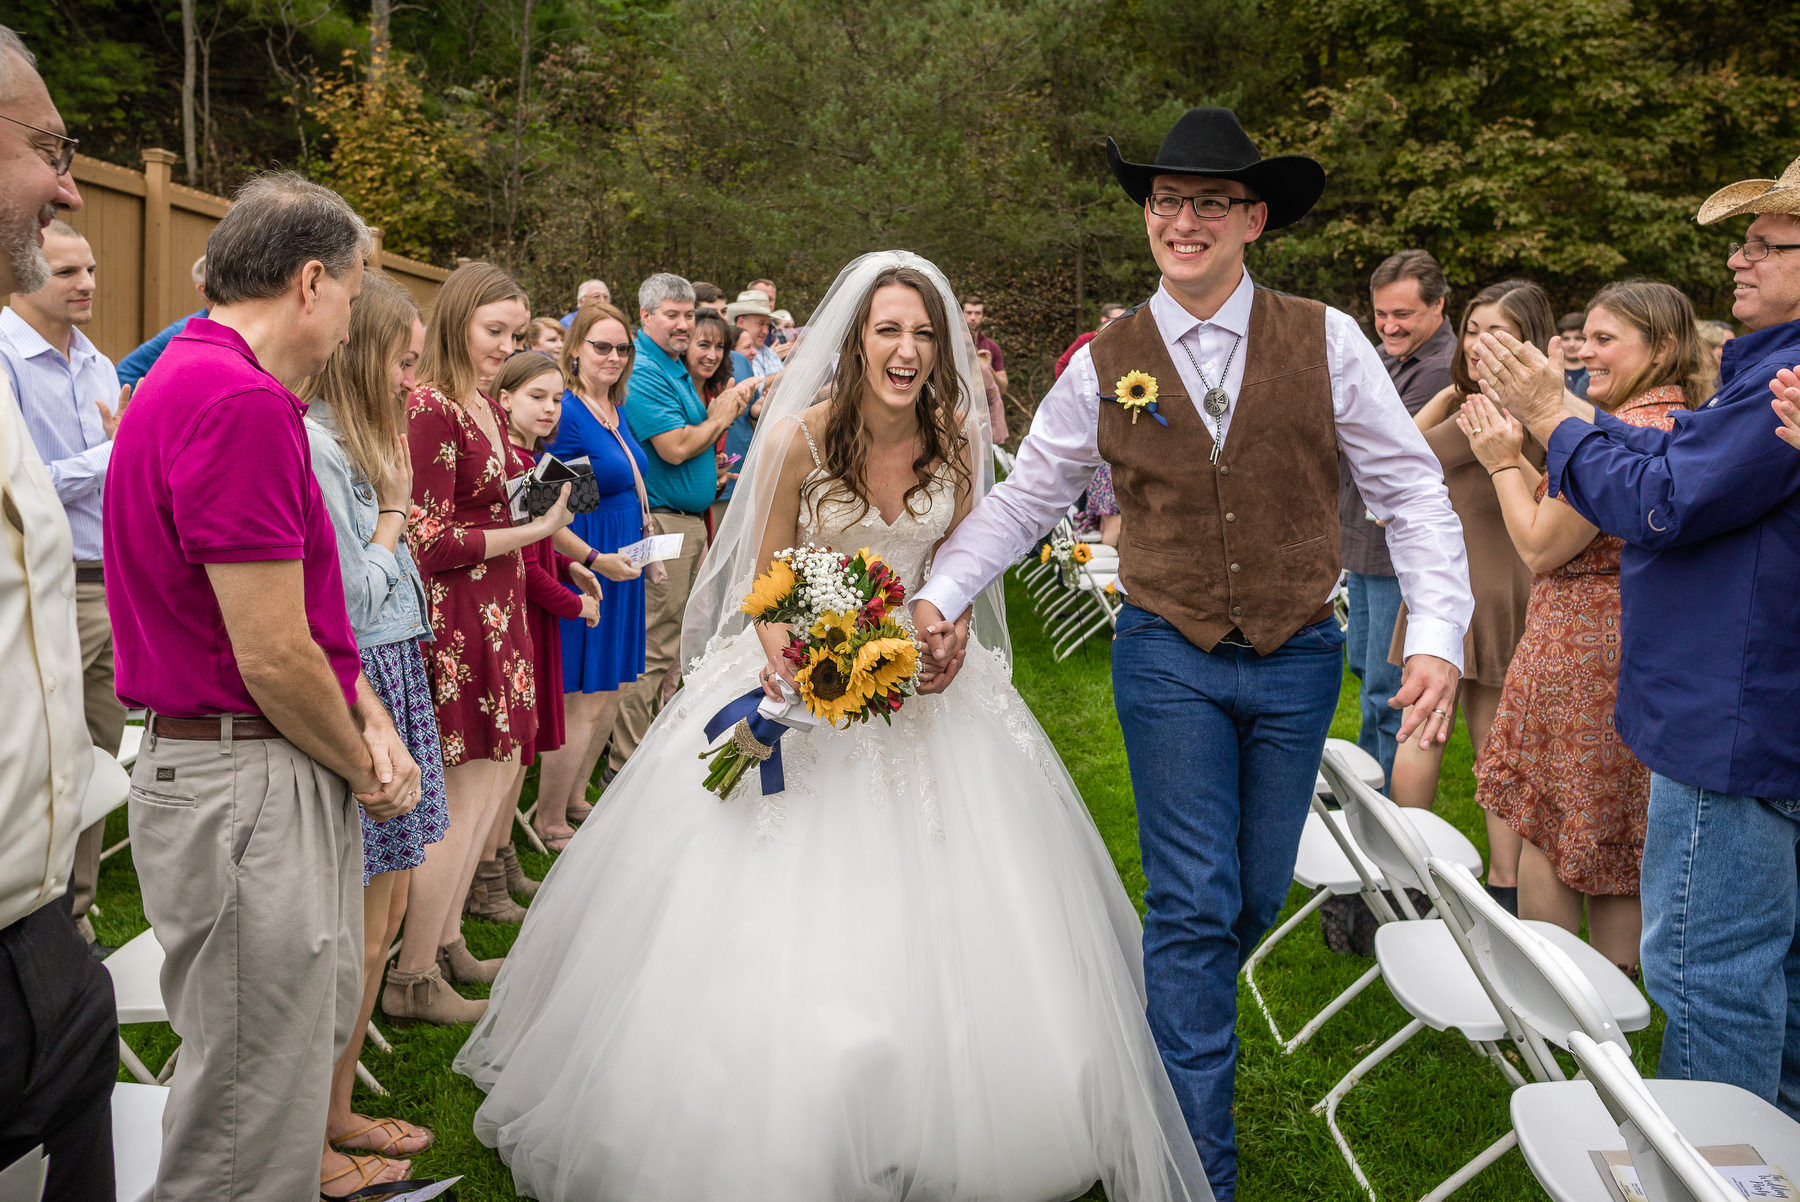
(677,512)
(212,729)
(90,573)
(1235,637)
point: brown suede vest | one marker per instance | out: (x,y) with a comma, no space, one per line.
(1251,542)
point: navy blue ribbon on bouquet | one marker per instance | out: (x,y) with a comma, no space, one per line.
(768,732)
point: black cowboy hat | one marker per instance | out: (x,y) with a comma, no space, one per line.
(1210,142)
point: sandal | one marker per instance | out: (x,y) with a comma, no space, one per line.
(369,1171)
(553,843)
(386,1138)
(579,812)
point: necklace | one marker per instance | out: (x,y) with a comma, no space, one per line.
(1216,400)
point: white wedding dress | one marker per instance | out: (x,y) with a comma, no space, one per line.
(913,975)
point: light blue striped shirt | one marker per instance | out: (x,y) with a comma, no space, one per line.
(57,396)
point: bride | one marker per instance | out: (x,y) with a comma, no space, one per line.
(914,974)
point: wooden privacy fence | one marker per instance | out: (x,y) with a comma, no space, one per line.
(146,232)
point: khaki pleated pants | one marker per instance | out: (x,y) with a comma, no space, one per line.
(249,856)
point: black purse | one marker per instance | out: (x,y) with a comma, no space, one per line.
(584,491)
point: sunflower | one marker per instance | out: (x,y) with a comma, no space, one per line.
(1136,390)
(770,591)
(886,663)
(1082,552)
(835,630)
(828,688)
(1044,554)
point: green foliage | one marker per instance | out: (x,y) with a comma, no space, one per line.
(392,162)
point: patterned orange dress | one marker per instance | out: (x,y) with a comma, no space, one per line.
(481,658)
(1554,768)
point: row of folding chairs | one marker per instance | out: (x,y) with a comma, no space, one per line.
(1464,964)
(1073,612)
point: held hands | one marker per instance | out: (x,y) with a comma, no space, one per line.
(1428,697)
(396,774)
(945,642)
(590,587)
(110,418)
(1494,435)
(590,611)
(1786,387)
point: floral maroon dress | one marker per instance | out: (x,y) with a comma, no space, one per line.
(481,661)
(1554,768)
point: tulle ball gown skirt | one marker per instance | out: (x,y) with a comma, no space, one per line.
(911,976)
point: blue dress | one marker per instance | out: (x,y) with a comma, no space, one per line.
(598,659)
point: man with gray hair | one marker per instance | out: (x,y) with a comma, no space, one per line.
(59,1054)
(230,629)
(678,431)
(591,292)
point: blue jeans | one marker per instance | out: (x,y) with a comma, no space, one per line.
(1374,609)
(1721,948)
(1224,748)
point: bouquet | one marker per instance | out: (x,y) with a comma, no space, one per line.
(1067,554)
(852,659)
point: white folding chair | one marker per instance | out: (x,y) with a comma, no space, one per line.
(136,970)
(109,787)
(23,1180)
(1430,967)
(1659,1122)
(1099,609)
(137,1113)
(129,745)
(1330,864)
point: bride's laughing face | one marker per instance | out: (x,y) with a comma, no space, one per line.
(899,345)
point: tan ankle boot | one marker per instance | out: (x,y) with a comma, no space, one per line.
(457,963)
(516,880)
(410,997)
(488,898)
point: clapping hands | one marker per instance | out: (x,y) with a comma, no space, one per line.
(1786,387)
(1494,435)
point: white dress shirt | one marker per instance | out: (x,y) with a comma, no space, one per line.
(1398,475)
(45,754)
(58,395)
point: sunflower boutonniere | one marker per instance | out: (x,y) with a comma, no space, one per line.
(1136,391)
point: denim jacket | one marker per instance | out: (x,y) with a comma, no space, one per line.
(382,589)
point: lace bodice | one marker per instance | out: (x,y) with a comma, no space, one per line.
(829,518)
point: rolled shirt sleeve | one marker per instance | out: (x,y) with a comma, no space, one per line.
(1402,485)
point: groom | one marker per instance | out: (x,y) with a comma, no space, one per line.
(1227,660)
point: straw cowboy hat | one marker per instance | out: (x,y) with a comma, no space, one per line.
(1210,142)
(750,302)
(1754,196)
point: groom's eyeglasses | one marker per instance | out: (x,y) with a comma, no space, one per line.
(1211,207)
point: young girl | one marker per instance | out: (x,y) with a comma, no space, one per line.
(469,552)
(596,362)
(356,428)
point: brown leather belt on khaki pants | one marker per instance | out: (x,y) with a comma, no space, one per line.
(213,729)
(90,573)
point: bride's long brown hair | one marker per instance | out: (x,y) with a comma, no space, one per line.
(941,408)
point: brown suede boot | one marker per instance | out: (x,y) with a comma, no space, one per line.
(488,898)
(516,880)
(410,997)
(457,963)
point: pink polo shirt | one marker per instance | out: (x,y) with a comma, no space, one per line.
(210,465)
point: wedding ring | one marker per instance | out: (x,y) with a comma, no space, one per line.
(1474,429)
(1440,713)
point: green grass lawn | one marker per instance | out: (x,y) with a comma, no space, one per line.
(1417,1118)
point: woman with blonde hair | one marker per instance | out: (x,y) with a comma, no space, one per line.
(1553,768)
(480,664)
(356,429)
(546,335)
(1498,578)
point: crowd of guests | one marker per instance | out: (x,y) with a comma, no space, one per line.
(350,645)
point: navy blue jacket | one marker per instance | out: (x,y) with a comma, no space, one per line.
(1709,684)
